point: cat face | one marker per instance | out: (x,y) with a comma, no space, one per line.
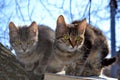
(23,39)
(70,37)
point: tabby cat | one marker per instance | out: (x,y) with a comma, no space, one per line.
(33,45)
(81,43)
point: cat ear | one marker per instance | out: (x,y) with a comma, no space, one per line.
(61,21)
(61,25)
(12,29)
(33,28)
(82,26)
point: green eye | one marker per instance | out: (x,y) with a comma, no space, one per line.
(30,42)
(18,42)
(78,38)
(66,37)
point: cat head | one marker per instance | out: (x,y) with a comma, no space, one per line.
(23,39)
(70,36)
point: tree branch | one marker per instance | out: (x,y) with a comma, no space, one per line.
(11,68)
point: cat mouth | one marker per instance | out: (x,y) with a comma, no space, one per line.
(24,51)
(72,49)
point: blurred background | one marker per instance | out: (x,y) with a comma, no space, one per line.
(104,14)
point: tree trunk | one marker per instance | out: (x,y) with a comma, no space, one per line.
(113,7)
(11,68)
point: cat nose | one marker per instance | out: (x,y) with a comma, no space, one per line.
(73,44)
(24,50)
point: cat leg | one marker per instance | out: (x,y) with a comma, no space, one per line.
(40,69)
(29,67)
(71,69)
(55,66)
(94,59)
(92,67)
(43,63)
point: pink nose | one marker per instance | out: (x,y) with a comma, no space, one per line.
(72,43)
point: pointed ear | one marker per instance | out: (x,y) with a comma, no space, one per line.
(12,29)
(61,21)
(61,25)
(82,26)
(33,28)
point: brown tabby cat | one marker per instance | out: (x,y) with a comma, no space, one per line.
(80,42)
(33,45)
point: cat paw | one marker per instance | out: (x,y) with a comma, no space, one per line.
(39,71)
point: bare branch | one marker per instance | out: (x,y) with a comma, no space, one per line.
(51,15)
(18,9)
(11,68)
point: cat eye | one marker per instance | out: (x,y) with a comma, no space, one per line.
(78,38)
(18,42)
(66,37)
(30,42)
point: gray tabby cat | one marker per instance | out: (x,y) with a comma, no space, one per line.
(78,42)
(66,50)
(33,45)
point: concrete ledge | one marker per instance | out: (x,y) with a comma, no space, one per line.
(49,76)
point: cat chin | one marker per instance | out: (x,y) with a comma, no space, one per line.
(22,52)
(67,48)
(71,49)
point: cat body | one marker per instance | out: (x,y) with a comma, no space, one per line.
(81,43)
(94,50)
(33,45)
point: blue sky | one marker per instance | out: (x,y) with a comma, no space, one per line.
(23,12)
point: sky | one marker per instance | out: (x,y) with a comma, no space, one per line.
(23,12)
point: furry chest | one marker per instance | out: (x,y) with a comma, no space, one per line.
(67,58)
